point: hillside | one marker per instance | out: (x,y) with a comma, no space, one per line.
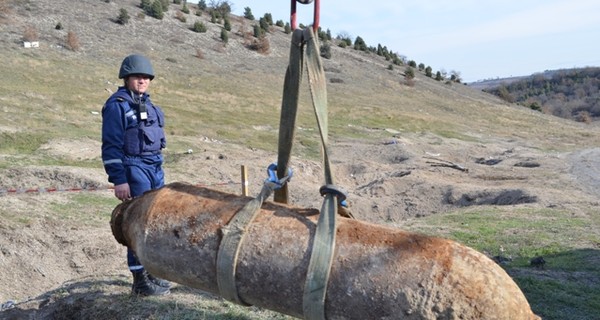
(570,93)
(531,188)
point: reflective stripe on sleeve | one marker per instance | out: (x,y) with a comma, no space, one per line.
(111,161)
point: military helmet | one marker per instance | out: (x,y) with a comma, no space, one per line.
(136,64)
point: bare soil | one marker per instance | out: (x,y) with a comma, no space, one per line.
(397,182)
(71,267)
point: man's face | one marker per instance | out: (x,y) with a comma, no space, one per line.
(138,83)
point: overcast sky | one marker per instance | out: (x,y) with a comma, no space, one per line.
(479,39)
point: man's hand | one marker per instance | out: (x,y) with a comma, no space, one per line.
(122,191)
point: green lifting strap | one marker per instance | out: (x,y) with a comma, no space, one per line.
(319,267)
(289,108)
(323,244)
(233,236)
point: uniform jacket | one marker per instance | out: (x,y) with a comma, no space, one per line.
(125,134)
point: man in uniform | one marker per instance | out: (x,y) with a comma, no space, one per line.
(132,140)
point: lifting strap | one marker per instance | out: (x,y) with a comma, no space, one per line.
(233,236)
(323,244)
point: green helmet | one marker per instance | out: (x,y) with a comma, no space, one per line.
(136,64)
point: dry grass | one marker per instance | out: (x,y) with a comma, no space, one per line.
(49,94)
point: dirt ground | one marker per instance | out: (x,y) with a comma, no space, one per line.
(390,182)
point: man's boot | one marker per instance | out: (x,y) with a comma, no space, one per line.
(143,286)
(159,282)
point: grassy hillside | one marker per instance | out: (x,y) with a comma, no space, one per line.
(231,94)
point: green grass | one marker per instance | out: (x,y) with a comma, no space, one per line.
(571,299)
(569,285)
(87,208)
(46,95)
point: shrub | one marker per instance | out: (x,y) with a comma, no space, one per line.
(280,23)
(227,24)
(123,17)
(185,8)
(260,45)
(72,41)
(326,51)
(199,27)
(409,73)
(224,36)
(258,31)
(287,29)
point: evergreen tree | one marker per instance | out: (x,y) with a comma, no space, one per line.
(264,24)
(145,5)
(359,44)
(287,29)
(428,71)
(258,31)
(248,13)
(227,24)
(123,17)
(269,18)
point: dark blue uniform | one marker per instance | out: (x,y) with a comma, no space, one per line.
(132,140)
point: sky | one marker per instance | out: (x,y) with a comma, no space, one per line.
(478,39)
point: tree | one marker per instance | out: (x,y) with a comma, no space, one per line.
(258,31)
(438,76)
(223,7)
(428,71)
(202,5)
(248,13)
(264,24)
(145,5)
(227,24)
(123,17)
(268,18)
(155,10)
(224,36)
(455,76)
(359,44)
